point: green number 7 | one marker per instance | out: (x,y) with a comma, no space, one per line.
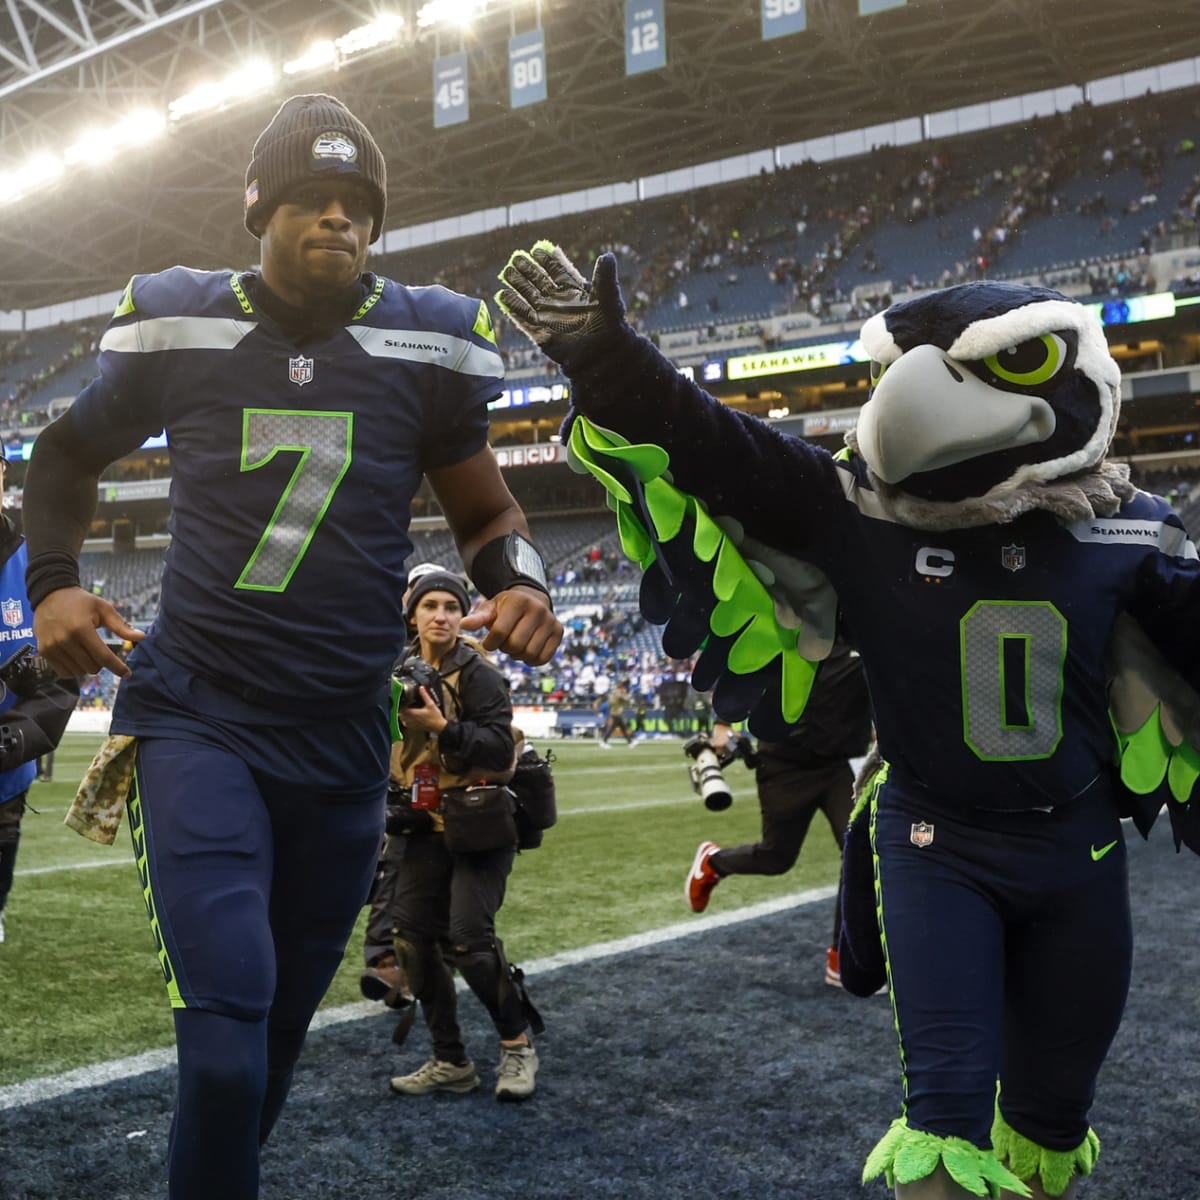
(322,440)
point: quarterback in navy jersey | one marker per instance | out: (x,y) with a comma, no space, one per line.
(303,404)
(980,548)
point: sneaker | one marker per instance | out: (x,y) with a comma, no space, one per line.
(1,925)
(385,980)
(516,1072)
(437,1076)
(833,975)
(701,878)
(604,745)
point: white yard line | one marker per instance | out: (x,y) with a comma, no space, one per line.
(32,1091)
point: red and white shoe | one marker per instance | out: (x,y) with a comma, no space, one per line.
(702,878)
(833,974)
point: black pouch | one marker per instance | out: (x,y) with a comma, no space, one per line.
(478,818)
(532,785)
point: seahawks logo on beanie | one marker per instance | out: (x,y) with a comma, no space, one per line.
(312,136)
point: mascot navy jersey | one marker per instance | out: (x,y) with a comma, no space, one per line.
(297,467)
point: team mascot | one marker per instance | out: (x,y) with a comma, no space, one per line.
(997,574)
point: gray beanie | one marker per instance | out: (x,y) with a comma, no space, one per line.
(436,581)
(314,136)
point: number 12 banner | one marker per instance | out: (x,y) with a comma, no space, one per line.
(645,36)
(526,68)
(781,17)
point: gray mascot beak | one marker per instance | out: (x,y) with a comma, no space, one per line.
(928,412)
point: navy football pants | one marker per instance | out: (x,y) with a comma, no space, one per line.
(253,886)
(1009,945)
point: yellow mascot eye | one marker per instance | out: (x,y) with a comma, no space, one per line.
(1029,363)
(877,370)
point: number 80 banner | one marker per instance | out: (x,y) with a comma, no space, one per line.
(526,68)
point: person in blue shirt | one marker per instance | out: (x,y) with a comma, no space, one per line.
(35,706)
(303,403)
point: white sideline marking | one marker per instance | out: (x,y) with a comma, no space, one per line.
(89,865)
(47,1087)
(589,810)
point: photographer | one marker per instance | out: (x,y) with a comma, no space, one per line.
(35,706)
(453,844)
(795,778)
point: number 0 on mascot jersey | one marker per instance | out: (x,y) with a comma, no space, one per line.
(999,577)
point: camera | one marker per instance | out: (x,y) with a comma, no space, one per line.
(705,769)
(408,679)
(26,673)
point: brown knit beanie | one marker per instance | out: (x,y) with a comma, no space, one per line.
(310,137)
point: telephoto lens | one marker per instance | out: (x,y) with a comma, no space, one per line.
(705,772)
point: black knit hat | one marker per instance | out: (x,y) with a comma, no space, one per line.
(436,581)
(312,137)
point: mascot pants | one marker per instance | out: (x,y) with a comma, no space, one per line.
(252,886)
(1008,944)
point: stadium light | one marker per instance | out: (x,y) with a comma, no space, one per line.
(100,145)
(380,32)
(255,75)
(450,12)
(38,172)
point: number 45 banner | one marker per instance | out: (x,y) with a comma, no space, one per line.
(781,17)
(451,105)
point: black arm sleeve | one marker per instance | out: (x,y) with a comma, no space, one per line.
(35,726)
(59,504)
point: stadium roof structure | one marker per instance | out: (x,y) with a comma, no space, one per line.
(723,91)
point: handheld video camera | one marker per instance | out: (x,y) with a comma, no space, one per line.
(26,673)
(705,769)
(408,679)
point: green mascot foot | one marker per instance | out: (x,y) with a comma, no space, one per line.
(923,1166)
(1048,1174)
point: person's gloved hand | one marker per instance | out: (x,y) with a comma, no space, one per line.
(556,308)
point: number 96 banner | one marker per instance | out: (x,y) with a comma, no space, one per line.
(781,17)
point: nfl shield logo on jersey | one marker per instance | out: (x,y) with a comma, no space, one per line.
(13,613)
(300,370)
(1012,558)
(922,834)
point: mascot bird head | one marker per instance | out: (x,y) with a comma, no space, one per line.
(989,400)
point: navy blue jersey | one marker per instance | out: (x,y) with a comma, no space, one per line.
(984,648)
(293,469)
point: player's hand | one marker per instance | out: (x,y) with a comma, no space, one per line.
(520,622)
(66,625)
(569,318)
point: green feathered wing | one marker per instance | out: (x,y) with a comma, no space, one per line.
(1156,715)
(762,619)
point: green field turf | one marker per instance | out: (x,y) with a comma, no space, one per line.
(79,982)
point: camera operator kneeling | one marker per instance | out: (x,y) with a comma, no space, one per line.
(457,845)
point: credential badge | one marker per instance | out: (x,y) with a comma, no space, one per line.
(922,834)
(300,370)
(1012,558)
(13,613)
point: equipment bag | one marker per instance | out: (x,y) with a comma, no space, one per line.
(532,785)
(478,818)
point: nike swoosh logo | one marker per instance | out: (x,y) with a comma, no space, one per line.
(1097,855)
